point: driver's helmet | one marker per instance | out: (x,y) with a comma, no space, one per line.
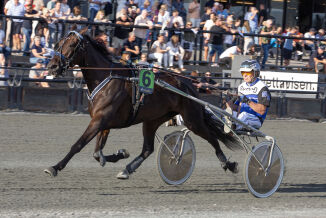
(250,65)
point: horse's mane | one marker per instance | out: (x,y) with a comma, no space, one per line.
(101,47)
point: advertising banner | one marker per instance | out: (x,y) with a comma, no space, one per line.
(303,82)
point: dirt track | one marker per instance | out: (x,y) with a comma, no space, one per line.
(31,142)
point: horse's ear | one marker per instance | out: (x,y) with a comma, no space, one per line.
(84,30)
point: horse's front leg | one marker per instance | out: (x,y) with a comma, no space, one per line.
(91,131)
(100,143)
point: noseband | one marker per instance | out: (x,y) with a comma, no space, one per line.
(66,61)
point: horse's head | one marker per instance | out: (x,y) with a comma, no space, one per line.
(67,53)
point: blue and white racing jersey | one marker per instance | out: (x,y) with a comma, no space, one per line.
(257,92)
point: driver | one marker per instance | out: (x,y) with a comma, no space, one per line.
(253,99)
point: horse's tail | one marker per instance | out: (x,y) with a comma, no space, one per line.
(217,127)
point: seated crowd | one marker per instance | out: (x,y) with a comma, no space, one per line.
(168,47)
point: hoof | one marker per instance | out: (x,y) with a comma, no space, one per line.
(232,166)
(123,174)
(51,171)
(124,153)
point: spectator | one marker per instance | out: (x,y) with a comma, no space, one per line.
(121,33)
(42,28)
(159,51)
(132,14)
(205,16)
(238,28)
(317,57)
(38,51)
(38,74)
(27,27)
(194,13)
(163,17)
(194,74)
(216,41)
(178,6)
(189,40)
(266,30)
(146,6)
(8,5)
(321,35)
(215,8)
(51,4)
(16,9)
(208,25)
(298,47)
(222,13)
(143,60)
(3,71)
(176,22)
(100,18)
(131,5)
(38,5)
(262,15)
(176,52)
(227,56)
(252,17)
(55,27)
(207,84)
(4,50)
(125,58)
(94,7)
(248,40)
(121,12)
(65,8)
(288,46)
(309,45)
(142,20)
(195,78)
(132,47)
(76,15)
(156,68)
(275,42)
(228,38)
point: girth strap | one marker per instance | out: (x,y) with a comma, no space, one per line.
(137,99)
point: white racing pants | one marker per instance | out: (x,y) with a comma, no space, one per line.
(248,119)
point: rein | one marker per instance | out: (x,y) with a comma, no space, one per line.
(161,69)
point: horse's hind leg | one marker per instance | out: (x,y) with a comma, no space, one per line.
(200,128)
(98,154)
(149,129)
(100,143)
(89,134)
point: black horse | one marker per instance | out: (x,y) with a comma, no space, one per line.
(112,106)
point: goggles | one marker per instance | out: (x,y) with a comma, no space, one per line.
(247,73)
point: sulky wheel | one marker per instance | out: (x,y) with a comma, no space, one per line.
(259,183)
(176,166)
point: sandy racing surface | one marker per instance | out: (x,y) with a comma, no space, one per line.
(31,142)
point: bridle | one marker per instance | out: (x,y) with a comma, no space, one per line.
(65,62)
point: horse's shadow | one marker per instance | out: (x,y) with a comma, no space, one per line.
(241,188)
(203,188)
